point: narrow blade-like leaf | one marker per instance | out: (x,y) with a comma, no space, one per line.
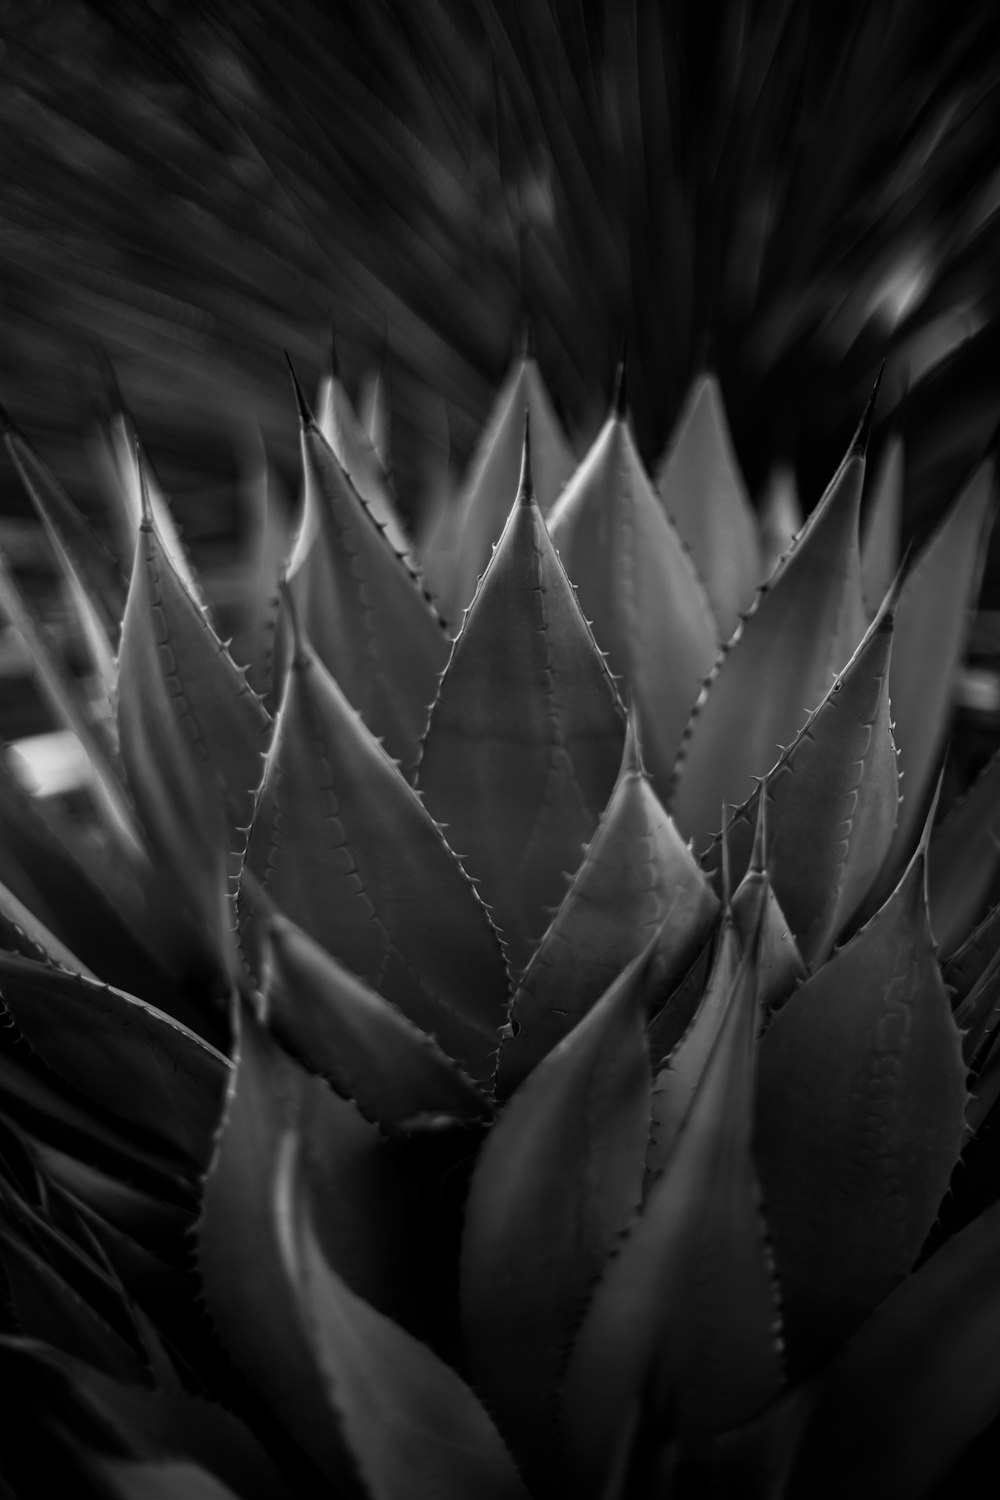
(882,522)
(339,424)
(963,858)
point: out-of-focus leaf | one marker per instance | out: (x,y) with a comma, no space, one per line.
(806,624)
(489,491)
(527,721)
(127,476)
(120,1052)
(369,1051)
(555,1185)
(861,1118)
(638,588)
(832,800)
(963,857)
(23,933)
(701,486)
(414,1429)
(244,1232)
(933,619)
(339,424)
(968,962)
(366,612)
(882,522)
(916,1385)
(683,1328)
(637,880)
(192,732)
(977,1017)
(157,1479)
(267,532)
(343,844)
(780,519)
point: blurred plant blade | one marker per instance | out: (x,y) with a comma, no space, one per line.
(882,523)
(962,859)
(338,422)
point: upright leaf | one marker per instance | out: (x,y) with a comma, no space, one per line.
(492,482)
(861,1118)
(373,626)
(881,529)
(682,1330)
(555,1185)
(757,915)
(526,720)
(932,624)
(343,844)
(638,587)
(637,882)
(701,486)
(805,626)
(779,520)
(963,858)
(339,423)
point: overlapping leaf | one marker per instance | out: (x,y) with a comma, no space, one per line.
(704,494)
(882,523)
(861,1119)
(963,858)
(638,588)
(555,1185)
(339,423)
(807,623)
(527,725)
(367,614)
(343,844)
(637,880)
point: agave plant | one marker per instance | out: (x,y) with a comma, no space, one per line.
(533,1056)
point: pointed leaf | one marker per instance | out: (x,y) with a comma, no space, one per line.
(881,531)
(241,1234)
(780,519)
(638,588)
(555,1185)
(968,962)
(369,1051)
(366,612)
(128,474)
(339,424)
(832,800)
(700,484)
(916,1385)
(861,1118)
(490,489)
(684,1321)
(21,932)
(372,878)
(637,880)
(414,1428)
(527,720)
(757,916)
(963,859)
(932,624)
(805,626)
(120,1052)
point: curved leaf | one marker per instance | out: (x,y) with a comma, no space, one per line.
(527,720)
(637,880)
(933,619)
(414,1428)
(344,845)
(492,482)
(700,484)
(367,614)
(638,587)
(556,1183)
(806,624)
(682,1330)
(963,858)
(367,1048)
(861,1118)
(22,932)
(832,800)
(119,1052)
(882,522)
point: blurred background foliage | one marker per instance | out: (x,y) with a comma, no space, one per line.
(787,191)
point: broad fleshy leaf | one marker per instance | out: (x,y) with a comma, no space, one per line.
(366,612)
(274,1105)
(339,423)
(637,880)
(414,1429)
(702,489)
(487,495)
(882,522)
(861,1118)
(916,1385)
(556,1183)
(963,858)
(757,915)
(683,1329)
(805,626)
(832,801)
(932,623)
(638,588)
(527,721)
(340,1027)
(119,1052)
(343,844)
(157,1479)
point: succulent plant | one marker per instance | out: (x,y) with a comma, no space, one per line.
(553,1053)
